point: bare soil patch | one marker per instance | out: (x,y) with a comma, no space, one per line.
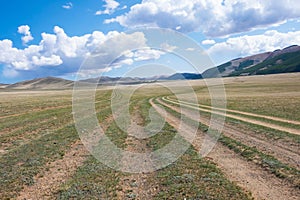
(136,185)
(56,173)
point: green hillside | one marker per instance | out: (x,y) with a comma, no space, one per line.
(215,71)
(285,63)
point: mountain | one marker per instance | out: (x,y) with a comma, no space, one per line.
(103,79)
(106,80)
(280,61)
(43,83)
(3,85)
(182,76)
(49,83)
(136,80)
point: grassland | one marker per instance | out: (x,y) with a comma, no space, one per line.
(39,140)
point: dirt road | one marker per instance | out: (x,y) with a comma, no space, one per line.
(245,119)
(247,175)
(279,150)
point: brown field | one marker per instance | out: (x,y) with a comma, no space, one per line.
(257,155)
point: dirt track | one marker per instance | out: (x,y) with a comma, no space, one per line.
(279,150)
(137,183)
(245,119)
(243,113)
(247,175)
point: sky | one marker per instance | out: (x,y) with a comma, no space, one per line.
(88,38)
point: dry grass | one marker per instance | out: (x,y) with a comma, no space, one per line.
(25,117)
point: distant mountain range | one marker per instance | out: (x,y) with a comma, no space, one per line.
(280,61)
(183,76)
(49,83)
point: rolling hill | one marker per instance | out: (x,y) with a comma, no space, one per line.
(42,83)
(3,85)
(280,61)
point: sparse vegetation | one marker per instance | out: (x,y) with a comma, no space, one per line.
(38,129)
(252,154)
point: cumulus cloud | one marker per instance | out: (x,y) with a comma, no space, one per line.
(208,42)
(68,5)
(53,60)
(105,57)
(167,47)
(122,61)
(147,54)
(25,30)
(130,57)
(250,45)
(214,18)
(110,7)
(61,54)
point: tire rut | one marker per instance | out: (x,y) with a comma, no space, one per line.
(246,113)
(249,176)
(285,155)
(136,185)
(245,119)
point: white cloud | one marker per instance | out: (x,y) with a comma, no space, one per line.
(123,61)
(178,28)
(214,18)
(68,5)
(65,54)
(124,7)
(89,73)
(142,54)
(25,30)
(147,54)
(250,45)
(190,49)
(208,42)
(53,60)
(70,46)
(110,7)
(107,57)
(167,47)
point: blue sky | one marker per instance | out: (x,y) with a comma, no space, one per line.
(53,38)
